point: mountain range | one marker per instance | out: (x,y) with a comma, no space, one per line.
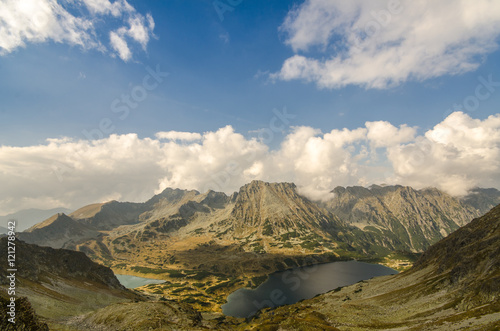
(234,240)
(454,285)
(205,246)
(374,220)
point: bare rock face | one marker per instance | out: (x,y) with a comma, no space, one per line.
(277,203)
(416,218)
(483,199)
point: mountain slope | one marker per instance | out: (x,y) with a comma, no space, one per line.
(26,218)
(61,283)
(107,216)
(455,285)
(483,199)
(58,231)
(415,218)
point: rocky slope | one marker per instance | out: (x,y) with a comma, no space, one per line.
(415,218)
(483,199)
(455,285)
(61,283)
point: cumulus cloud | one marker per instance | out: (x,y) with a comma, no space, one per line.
(384,134)
(37,21)
(177,135)
(377,44)
(457,154)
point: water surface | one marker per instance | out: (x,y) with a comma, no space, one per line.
(287,287)
(134,281)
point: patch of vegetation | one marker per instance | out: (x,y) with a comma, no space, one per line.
(230,283)
(173,285)
(309,244)
(289,262)
(288,235)
(198,284)
(201,275)
(192,300)
(267,229)
(180,289)
(171,273)
(258,280)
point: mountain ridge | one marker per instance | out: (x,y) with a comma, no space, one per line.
(453,286)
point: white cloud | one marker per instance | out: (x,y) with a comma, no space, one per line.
(120,46)
(37,21)
(377,44)
(456,155)
(384,134)
(106,7)
(177,135)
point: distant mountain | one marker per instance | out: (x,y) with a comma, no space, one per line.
(483,199)
(26,218)
(273,218)
(206,245)
(58,231)
(417,218)
(454,286)
(107,216)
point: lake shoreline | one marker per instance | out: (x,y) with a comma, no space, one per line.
(295,284)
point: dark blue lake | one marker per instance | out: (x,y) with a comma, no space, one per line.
(288,287)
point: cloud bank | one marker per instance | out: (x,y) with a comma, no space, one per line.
(378,44)
(37,21)
(457,154)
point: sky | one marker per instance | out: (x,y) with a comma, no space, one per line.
(116,100)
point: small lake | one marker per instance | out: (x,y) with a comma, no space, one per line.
(288,287)
(134,281)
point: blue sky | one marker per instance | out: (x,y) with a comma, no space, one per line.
(263,57)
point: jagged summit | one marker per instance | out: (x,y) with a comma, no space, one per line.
(378,218)
(259,200)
